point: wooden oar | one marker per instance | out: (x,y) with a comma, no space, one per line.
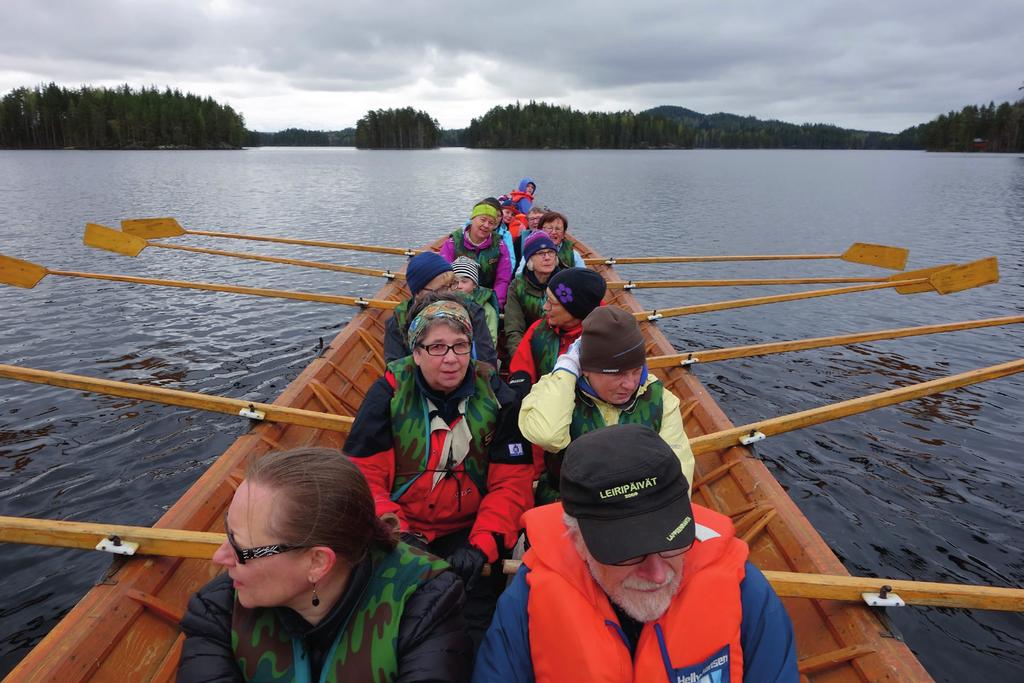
(742,282)
(806,418)
(154,228)
(175,397)
(851,589)
(202,545)
(86,535)
(942,279)
(102,237)
(27,275)
(712,355)
(880,255)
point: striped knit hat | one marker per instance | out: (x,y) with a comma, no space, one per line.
(466,267)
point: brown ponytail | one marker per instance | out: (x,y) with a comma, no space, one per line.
(322,499)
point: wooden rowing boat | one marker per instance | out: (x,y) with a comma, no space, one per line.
(125,628)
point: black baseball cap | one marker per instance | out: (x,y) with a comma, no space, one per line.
(625,486)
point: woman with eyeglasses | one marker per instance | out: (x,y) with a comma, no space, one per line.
(438,440)
(318,588)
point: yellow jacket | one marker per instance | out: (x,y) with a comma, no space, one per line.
(546,414)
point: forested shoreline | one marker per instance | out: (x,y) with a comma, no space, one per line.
(53,117)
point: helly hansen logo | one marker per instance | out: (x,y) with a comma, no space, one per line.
(630,490)
(515,450)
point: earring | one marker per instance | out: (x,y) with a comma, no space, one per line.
(316,598)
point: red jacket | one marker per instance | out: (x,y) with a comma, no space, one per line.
(523,360)
(455,502)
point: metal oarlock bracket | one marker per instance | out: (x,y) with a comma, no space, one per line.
(609,261)
(629,285)
(362,303)
(251,413)
(114,544)
(654,316)
(410,253)
(883,598)
(388,274)
(752,437)
(689,360)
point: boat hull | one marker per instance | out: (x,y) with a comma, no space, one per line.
(125,628)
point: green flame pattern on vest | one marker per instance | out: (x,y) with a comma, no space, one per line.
(586,417)
(364,649)
(486,259)
(565,254)
(544,347)
(410,426)
(532,304)
(401,314)
(483,296)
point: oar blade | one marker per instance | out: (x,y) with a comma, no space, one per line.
(922,274)
(152,228)
(967,276)
(101,237)
(880,255)
(20,273)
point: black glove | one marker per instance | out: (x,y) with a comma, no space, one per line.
(416,540)
(467,562)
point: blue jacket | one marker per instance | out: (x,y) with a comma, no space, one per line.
(766,634)
(524,205)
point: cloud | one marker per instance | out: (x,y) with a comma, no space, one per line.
(324,64)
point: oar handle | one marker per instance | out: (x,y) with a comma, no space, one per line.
(834,411)
(309,243)
(234,289)
(175,397)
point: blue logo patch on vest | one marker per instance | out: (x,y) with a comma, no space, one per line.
(515,450)
(714,669)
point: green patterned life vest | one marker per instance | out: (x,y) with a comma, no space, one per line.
(565,254)
(410,426)
(647,409)
(401,311)
(487,259)
(544,344)
(532,304)
(483,296)
(365,648)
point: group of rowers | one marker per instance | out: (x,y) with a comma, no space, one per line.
(385,563)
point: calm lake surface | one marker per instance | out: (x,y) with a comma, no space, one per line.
(929,490)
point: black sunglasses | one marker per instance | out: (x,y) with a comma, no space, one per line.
(244,554)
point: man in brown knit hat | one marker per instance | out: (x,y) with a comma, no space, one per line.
(601,380)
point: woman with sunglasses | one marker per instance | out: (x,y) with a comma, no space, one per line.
(317,587)
(438,440)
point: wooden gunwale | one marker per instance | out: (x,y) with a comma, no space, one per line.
(116,633)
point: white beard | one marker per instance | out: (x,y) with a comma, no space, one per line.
(637,598)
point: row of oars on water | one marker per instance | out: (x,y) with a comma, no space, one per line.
(137,234)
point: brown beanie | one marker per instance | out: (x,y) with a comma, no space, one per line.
(611,341)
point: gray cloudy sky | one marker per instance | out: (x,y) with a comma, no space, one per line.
(322,65)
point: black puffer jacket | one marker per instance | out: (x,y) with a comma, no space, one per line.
(432,641)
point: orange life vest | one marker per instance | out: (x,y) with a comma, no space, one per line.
(575,635)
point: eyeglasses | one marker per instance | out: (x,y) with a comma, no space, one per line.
(665,555)
(244,554)
(459,348)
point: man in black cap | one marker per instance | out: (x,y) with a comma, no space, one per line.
(601,380)
(625,580)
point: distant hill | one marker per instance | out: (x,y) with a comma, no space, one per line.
(299,137)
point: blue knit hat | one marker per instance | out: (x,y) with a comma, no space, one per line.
(422,268)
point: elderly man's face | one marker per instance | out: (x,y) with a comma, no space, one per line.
(645,590)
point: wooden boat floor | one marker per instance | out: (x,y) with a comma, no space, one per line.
(125,628)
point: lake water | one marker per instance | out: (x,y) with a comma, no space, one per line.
(929,490)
